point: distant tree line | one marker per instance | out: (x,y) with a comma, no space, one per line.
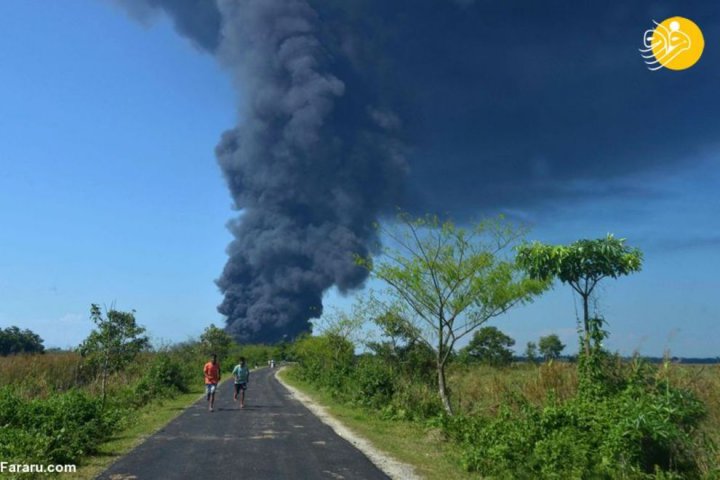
(15,341)
(490,346)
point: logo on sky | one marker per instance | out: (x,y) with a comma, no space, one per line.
(676,43)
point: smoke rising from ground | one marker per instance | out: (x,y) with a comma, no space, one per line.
(354,107)
(309,183)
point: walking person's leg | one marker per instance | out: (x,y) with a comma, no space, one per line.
(242,395)
(238,391)
(212,396)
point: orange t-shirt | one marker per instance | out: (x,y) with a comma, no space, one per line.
(212,373)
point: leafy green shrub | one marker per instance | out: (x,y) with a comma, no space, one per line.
(641,432)
(373,381)
(17,445)
(58,429)
(326,361)
(413,400)
(164,374)
(624,422)
(417,361)
(10,406)
(190,358)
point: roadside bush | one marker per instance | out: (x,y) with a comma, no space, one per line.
(58,429)
(10,406)
(190,358)
(642,432)
(17,445)
(167,372)
(417,361)
(413,400)
(164,377)
(372,382)
(326,361)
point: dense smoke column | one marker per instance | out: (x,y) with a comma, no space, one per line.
(312,164)
(505,105)
(310,167)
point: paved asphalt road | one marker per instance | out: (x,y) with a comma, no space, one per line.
(273,437)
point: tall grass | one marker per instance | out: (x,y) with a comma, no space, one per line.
(704,381)
(41,375)
(483,390)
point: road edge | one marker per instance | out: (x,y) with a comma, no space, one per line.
(393,468)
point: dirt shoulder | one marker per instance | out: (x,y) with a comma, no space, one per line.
(392,467)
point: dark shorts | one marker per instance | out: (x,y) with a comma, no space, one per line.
(240,386)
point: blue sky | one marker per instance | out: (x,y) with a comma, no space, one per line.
(110,193)
(109,190)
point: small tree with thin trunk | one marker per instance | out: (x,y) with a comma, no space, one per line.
(581,265)
(452,280)
(531,352)
(550,346)
(116,341)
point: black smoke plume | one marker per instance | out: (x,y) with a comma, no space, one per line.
(313,163)
(352,107)
(309,182)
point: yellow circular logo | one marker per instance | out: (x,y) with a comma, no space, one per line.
(676,43)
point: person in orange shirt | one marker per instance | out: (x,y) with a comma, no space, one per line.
(212,378)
